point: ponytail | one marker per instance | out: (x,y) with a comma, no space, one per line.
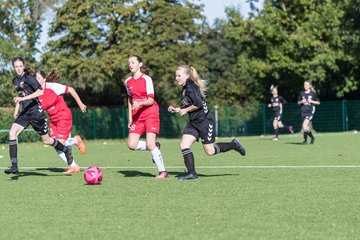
(194,76)
(53,76)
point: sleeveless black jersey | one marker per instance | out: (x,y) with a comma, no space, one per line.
(191,95)
(308,107)
(276,102)
(26,85)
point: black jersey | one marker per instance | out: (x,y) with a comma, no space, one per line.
(191,95)
(26,85)
(307,107)
(276,103)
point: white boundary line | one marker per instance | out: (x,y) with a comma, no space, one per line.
(210,167)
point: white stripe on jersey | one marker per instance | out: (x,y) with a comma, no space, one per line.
(127,90)
(57,88)
(149,85)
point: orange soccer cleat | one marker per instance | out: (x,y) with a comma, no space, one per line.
(71,170)
(80,144)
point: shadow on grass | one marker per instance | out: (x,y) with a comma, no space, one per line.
(295,143)
(38,174)
(133,173)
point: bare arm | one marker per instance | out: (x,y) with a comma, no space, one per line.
(74,94)
(130,113)
(147,102)
(16,111)
(35,94)
(183,111)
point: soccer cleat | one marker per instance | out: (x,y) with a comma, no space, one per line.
(238,147)
(291,130)
(189,176)
(304,142)
(275,139)
(80,144)
(162,175)
(71,170)
(158,145)
(12,170)
(312,140)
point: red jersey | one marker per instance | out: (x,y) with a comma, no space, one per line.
(53,102)
(141,89)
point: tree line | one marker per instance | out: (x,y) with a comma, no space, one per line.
(284,43)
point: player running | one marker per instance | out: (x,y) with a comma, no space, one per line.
(276,103)
(201,121)
(308,99)
(52,101)
(31,114)
(143,113)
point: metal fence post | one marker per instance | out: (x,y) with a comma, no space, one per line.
(344,115)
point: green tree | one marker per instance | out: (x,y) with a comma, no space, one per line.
(95,39)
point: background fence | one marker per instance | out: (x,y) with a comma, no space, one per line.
(107,123)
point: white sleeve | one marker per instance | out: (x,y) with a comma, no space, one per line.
(57,88)
(149,86)
(127,89)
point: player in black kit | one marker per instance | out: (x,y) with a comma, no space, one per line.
(31,114)
(308,99)
(201,121)
(276,103)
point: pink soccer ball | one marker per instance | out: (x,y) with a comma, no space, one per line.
(93,175)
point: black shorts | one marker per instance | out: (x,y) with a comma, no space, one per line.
(307,115)
(277,116)
(37,120)
(204,130)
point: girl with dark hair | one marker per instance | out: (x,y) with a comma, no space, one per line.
(308,99)
(143,113)
(201,120)
(31,114)
(276,103)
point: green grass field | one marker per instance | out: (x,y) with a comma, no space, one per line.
(280,190)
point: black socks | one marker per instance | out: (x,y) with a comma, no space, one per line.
(189,160)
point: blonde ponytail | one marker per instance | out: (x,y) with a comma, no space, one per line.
(194,76)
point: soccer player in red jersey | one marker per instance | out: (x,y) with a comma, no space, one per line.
(31,113)
(52,101)
(143,113)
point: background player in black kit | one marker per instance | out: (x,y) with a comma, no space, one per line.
(201,121)
(308,99)
(276,103)
(31,114)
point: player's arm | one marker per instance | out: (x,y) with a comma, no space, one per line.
(315,102)
(145,103)
(130,113)
(191,108)
(74,94)
(16,111)
(301,100)
(35,94)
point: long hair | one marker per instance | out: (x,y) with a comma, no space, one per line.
(53,76)
(312,87)
(273,87)
(194,76)
(144,68)
(27,69)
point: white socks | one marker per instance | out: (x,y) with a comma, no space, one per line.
(63,157)
(141,146)
(157,157)
(70,141)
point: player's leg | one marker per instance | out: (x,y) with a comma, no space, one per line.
(15,130)
(137,128)
(312,138)
(207,135)
(185,145)
(276,129)
(156,155)
(306,129)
